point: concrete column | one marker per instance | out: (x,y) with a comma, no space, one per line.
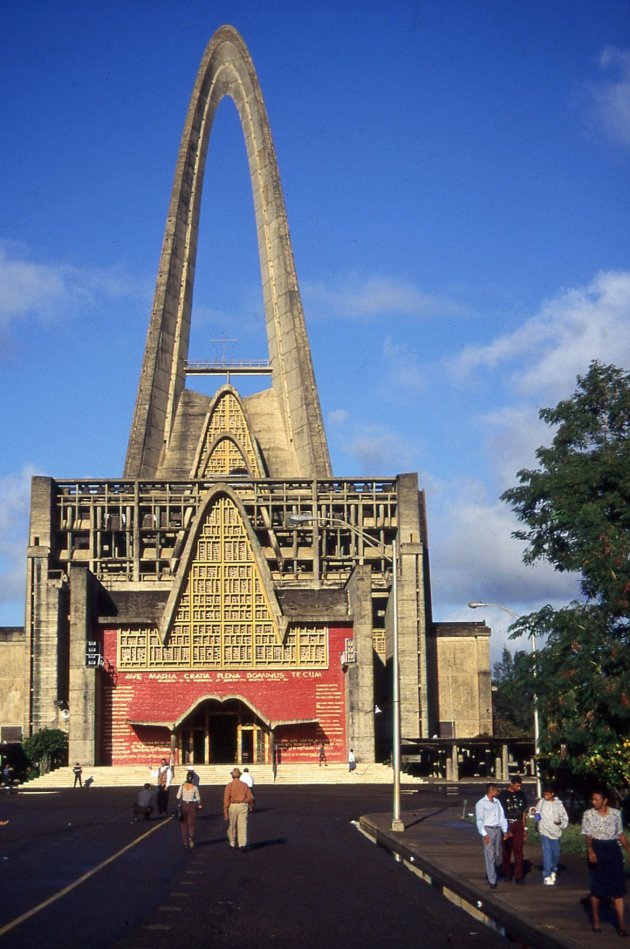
(360,674)
(454,764)
(412,613)
(83,681)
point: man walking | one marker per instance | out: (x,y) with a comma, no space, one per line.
(238,801)
(248,779)
(492,826)
(514,804)
(77,772)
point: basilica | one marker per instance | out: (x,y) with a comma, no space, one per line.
(228,599)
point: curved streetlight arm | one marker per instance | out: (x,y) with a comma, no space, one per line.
(475,605)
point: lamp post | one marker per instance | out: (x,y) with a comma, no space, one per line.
(307,518)
(474,605)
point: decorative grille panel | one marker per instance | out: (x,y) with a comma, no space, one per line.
(227,419)
(224,619)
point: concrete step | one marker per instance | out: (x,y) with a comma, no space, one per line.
(137,775)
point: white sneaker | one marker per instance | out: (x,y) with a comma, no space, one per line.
(548,881)
(553,876)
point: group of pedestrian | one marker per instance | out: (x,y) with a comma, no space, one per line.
(238,802)
(501,818)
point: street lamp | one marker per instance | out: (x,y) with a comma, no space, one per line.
(474,605)
(308,518)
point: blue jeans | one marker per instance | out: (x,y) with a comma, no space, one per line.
(551,854)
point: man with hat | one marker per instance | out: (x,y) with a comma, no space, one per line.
(238,801)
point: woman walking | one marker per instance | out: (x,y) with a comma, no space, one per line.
(190,802)
(601,825)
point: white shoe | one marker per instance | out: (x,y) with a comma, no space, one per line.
(548,881)
(553,876)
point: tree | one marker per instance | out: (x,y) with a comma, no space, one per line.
(512,695)
(576,508)
(47,748)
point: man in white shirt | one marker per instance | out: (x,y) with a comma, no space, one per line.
(247,779)
(492,825)
(163,775)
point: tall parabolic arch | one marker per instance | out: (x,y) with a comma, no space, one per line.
(299,439)
(229,600)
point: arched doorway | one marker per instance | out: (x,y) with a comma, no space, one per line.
(223,733)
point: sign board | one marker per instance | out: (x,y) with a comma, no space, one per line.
(92,655)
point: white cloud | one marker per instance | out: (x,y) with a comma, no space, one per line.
(405,368)
(372,450)
(474,557)
(512,433)
(608,99)
(338,417)
(550,349)
(29,289)
(14,511)
(365,298)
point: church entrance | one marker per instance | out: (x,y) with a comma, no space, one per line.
(223,733)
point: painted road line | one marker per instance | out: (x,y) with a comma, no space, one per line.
(72,886)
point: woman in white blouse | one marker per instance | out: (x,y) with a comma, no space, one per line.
(602,827)
(190,800)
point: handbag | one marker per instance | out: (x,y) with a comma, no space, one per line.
(179,814)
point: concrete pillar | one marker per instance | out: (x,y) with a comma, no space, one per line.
(82,692)
(360,674)
(412,616)
(454,763)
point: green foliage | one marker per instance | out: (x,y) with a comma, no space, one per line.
(46,749)
(512,695)
(576,508)
(577,504)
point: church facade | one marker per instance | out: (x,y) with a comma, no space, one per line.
(229,599)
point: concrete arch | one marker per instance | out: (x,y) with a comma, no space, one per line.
(226,70)
(222,699)
(256,470)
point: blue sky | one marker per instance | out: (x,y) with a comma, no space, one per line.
(457,181)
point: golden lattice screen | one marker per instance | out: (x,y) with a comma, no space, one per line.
(227,419)
(224,619)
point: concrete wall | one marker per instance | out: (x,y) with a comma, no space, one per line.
(164,697)
(464,695)
(12,681)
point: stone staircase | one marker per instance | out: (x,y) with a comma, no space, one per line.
(287,774)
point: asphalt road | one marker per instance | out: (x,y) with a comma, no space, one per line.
(308,879)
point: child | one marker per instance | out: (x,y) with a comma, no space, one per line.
(551,818)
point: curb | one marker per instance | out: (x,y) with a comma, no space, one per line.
(477,903)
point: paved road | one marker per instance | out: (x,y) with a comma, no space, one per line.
(309,879)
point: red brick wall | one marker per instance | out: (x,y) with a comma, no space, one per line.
(277,695)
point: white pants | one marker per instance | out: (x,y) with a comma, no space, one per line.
(492,852)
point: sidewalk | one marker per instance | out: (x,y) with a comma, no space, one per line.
(446,852)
